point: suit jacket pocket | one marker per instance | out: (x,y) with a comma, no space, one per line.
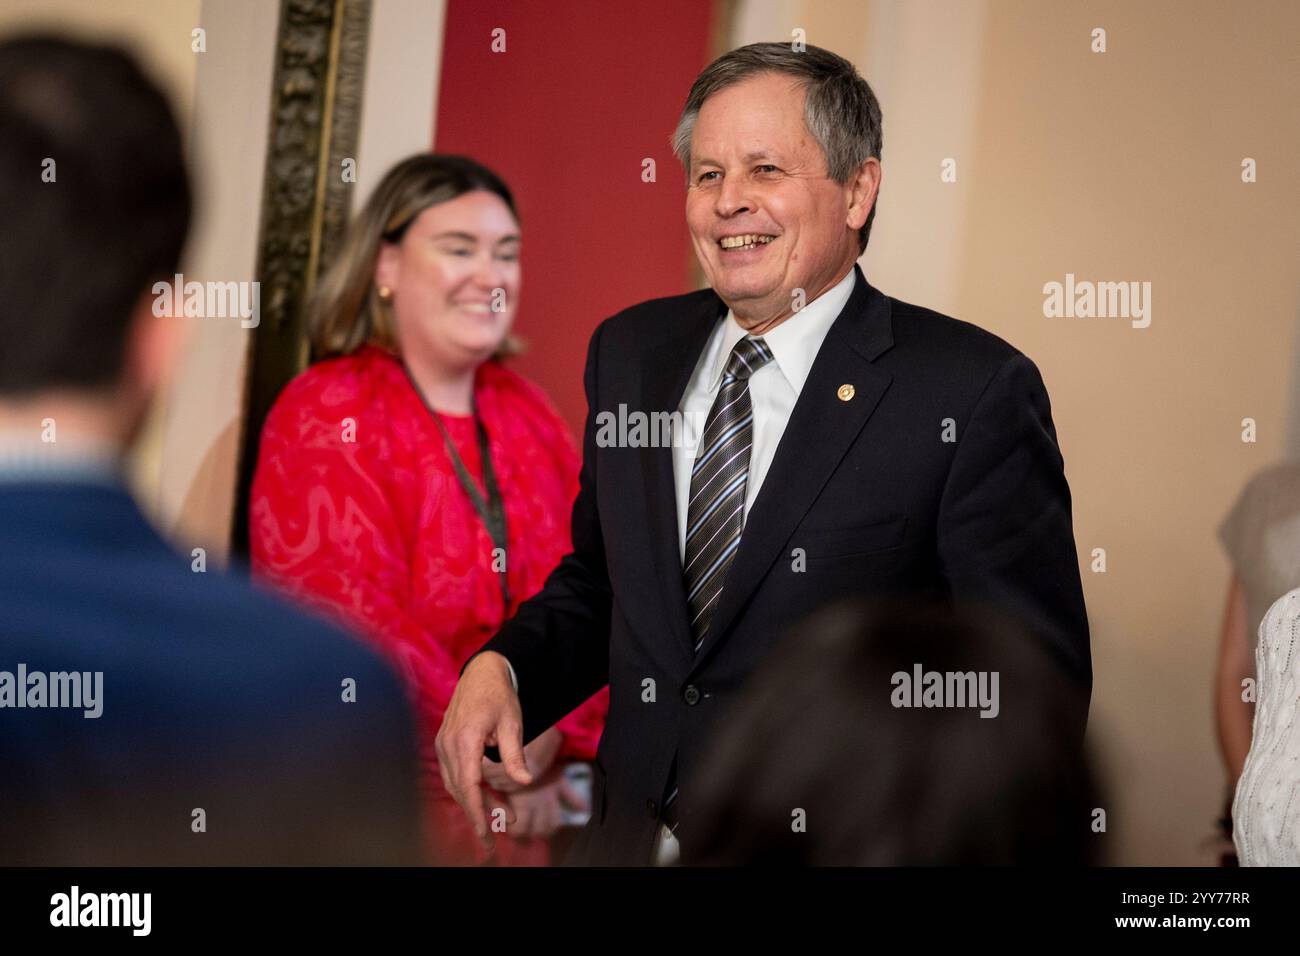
(851,540)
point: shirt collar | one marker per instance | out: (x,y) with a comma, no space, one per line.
(796,341)
(75,459)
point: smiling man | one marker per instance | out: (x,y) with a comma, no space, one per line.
(762,193)
(854,445)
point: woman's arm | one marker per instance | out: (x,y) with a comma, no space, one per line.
(1232,714)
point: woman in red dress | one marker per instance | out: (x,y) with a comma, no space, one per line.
(413,485)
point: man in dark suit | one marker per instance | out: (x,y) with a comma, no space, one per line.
(854,445)
(152,710)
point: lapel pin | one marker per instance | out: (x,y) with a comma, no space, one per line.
(846,392)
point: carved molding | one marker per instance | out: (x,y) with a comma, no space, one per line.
(316,99)
(315,120)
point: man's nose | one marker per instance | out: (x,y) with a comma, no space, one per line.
(733,198)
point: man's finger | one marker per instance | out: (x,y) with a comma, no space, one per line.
(466,786)
(510,735)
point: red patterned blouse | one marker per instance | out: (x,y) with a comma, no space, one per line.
(356,509)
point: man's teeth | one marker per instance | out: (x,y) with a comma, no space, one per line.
(744,242)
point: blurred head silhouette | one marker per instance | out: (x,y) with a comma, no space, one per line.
(95,202)
(846,751)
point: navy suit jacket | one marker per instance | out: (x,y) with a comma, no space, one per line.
(216,697)
(940,478)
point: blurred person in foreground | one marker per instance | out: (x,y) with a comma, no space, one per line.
(412,484)
(826,760)
(149,714)
(853,445)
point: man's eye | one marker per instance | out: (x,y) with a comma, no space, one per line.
(459,251)
(765,168)
(508,256)
(704,177)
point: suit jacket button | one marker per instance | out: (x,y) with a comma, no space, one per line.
(691,694)
(652,808)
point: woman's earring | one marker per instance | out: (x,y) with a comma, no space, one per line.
(385,293)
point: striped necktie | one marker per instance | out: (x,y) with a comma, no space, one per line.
(715,515)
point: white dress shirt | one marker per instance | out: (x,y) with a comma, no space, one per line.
(773,391)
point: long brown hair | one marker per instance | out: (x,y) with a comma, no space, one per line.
(345,311)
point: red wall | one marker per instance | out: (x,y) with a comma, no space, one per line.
(584,92)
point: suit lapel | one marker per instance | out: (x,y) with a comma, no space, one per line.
(821,429)
(665,374)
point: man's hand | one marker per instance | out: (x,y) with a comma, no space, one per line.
(539,754)
(484,711)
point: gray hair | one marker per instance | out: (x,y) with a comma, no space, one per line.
(840,111)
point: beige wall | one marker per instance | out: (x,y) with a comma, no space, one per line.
(1116,166)
(1126,165)
(157,30)
(201,416)
(401,89)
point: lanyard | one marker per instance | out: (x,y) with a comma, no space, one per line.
(492,512)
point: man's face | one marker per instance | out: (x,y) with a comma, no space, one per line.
(756,171)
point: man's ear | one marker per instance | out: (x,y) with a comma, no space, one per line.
(863,188)
(155,337)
